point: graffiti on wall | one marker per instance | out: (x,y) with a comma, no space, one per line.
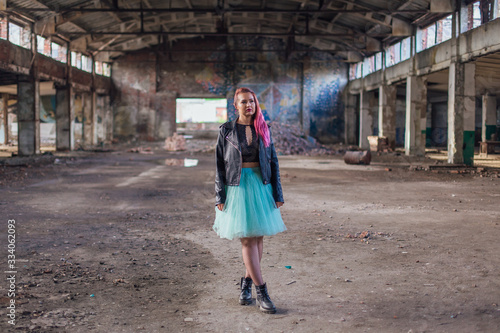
(323,84)
(296,88)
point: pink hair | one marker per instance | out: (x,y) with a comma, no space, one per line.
(258,119)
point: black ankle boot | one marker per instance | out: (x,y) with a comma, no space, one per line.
(246,291)
(266,305)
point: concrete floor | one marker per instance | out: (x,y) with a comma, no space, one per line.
(122,242)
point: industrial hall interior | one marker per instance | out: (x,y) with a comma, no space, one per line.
(385,120)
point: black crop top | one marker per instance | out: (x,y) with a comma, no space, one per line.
(248,142)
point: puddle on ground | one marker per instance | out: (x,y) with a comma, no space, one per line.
(185,162)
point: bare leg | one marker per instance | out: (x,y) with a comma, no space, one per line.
(260,241)
(251,258)
(260,246)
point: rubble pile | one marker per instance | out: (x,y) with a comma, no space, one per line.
(200,145)
(291,140)
(175,142)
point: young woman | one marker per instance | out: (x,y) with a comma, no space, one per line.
(248,190)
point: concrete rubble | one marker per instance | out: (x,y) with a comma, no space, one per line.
(291,140)
(175,143)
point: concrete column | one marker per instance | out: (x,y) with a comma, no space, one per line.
(366,101)
(350,119)
(489,118)
(387,113)
(65,137)
(461,113)
(28,116)
(166,103)
(94,112)
(88,125)
(108,116)
(416,115)
(5,111)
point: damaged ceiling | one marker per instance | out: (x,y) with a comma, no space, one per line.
(349,29)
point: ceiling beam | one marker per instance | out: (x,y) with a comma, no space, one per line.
(221,10)
(196,33)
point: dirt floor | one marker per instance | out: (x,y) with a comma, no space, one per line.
(122,242)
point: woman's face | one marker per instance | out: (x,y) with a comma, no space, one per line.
(245,105)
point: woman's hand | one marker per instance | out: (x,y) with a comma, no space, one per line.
(220,207)
(279,204)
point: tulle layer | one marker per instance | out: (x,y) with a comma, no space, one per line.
(250,210)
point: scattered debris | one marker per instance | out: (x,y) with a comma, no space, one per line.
(175,143)
(379,143)
(288,267)
(186,162)
(291,282)
(457,169)
(141,150)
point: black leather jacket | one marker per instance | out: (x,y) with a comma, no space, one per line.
(228,163)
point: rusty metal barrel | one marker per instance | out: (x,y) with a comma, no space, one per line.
(358,157)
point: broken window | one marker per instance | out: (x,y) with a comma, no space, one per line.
(393,54)
(86,63)
(76,59)
(405,49)
(19,35)
(106,69)
(378,61)
(59,52)
(434,34)
(98,67)
(475,13)
(369,65)
(355,71)
(475,20)
(43,46)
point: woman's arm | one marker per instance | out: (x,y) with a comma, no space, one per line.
(275,176)
(220,171)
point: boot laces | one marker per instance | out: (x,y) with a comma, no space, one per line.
(264,294)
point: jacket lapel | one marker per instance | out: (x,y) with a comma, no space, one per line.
(232,136)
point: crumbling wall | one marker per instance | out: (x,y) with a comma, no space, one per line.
(134,77)
(293,88)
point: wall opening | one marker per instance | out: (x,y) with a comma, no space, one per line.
(200,117)
(201,110)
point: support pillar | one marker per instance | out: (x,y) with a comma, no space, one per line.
(94,112)
(366,101)
(416,115)
(108,127)
(5,111)
(28,116)
(489,118)
(387,113)
(350,119)
(65,138)
(167,124)
(88,125)
(461,113)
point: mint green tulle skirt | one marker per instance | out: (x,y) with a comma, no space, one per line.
(250,209)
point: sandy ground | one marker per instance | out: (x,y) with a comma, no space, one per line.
(122,242)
